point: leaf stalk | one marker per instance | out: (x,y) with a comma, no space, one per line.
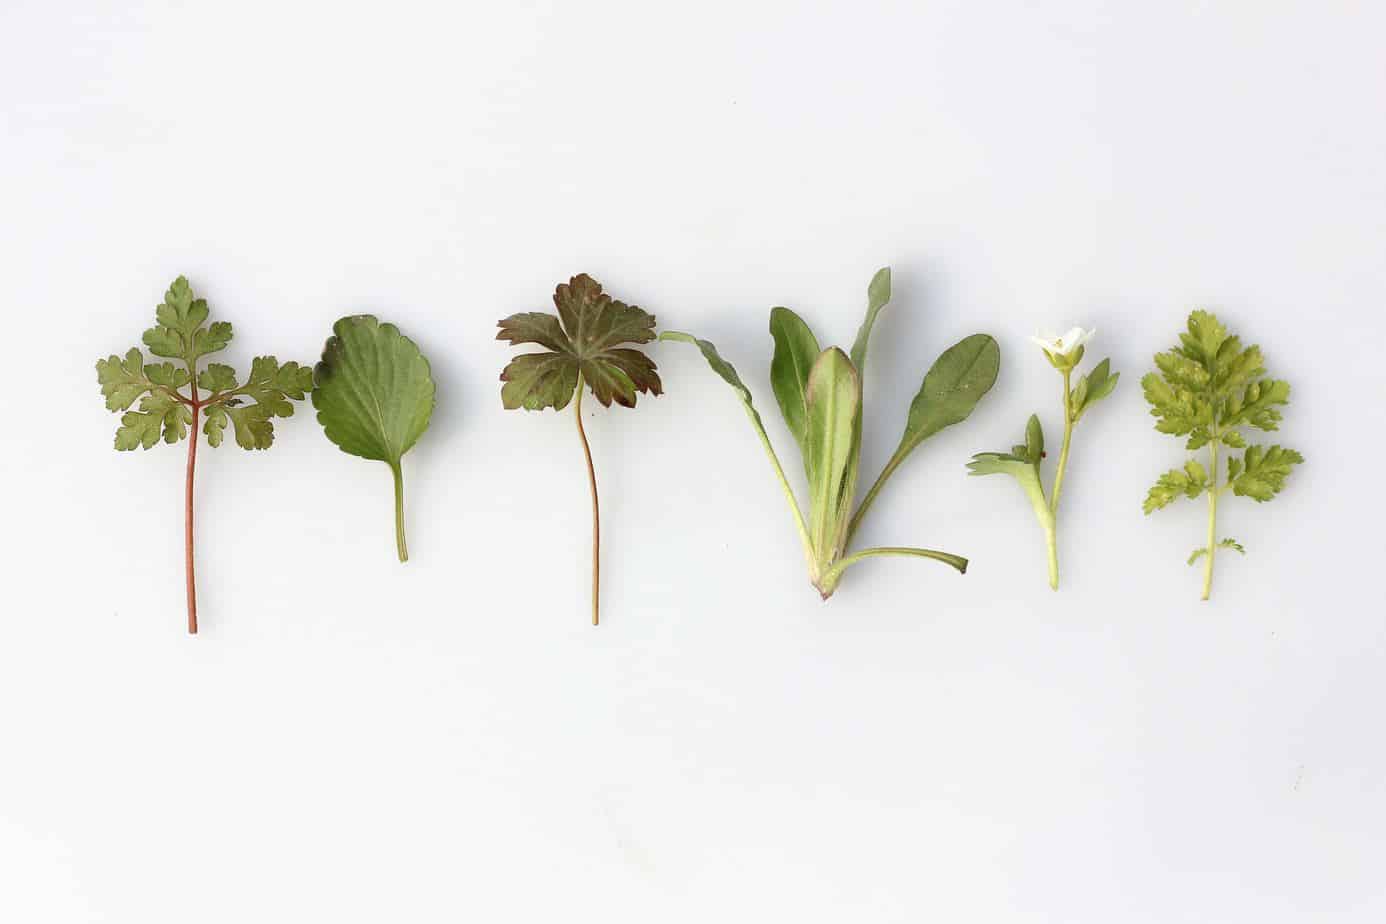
(401,545)
(1212,515)
(188,514)
(596,508)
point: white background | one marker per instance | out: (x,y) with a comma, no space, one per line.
(354,740)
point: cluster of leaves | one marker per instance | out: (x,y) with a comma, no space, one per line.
(1023,462)
(820,395)
(165,410)
(1210,389)
(1259,474)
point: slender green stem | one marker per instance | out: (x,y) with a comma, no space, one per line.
(1212,516)
(1051,542)
(831,576)
(788,491)
(596,510)
(1051,536)
(400,545)
(1063,450)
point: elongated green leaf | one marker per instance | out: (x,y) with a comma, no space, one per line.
(833,395)
(877,297)
(957,381)
(796,349)
(374,394)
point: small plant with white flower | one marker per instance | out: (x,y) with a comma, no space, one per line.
(1023,461)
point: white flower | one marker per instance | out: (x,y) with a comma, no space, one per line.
(1063,346)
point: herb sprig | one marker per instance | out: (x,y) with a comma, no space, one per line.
(1209,388)
(820,395)
(168,412)
(582,347)
(1023,461)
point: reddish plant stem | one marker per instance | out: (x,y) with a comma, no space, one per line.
(596,509)
(188,519)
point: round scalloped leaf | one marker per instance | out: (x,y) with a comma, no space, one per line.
(374,394)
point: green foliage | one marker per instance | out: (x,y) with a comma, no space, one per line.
(1092,388)
(165,410)
(169,399)
(1262,472)
(1210,389)
(1023,462)
(582,340)
(819,392)
(374,394)
(1190,482)
(1202,550)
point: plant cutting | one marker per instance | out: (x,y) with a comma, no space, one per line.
(582,348)
(374,394)
(1209,388)
(167,412)
(1023,461)
(819,392)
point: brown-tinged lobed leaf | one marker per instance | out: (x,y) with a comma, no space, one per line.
(583,339)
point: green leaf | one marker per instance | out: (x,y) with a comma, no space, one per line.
(959,378)
(833,396)
(1173,484)
(217,377)
(582,340)
(1093,387)
(1034,440)
(373,389)
(215,425)
(1202,550)
(1258,405)
(180,333)
(374,394)
(1023,470)
(877,297)
(272,385)
(1205,336)
(796,350)
(254,429)
(1264,471)
(159,416)
(122,381)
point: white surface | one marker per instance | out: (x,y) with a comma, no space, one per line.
(352,740)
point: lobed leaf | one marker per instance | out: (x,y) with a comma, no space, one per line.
(122,381)
(1264,471)
(1172,485)
(583,340)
